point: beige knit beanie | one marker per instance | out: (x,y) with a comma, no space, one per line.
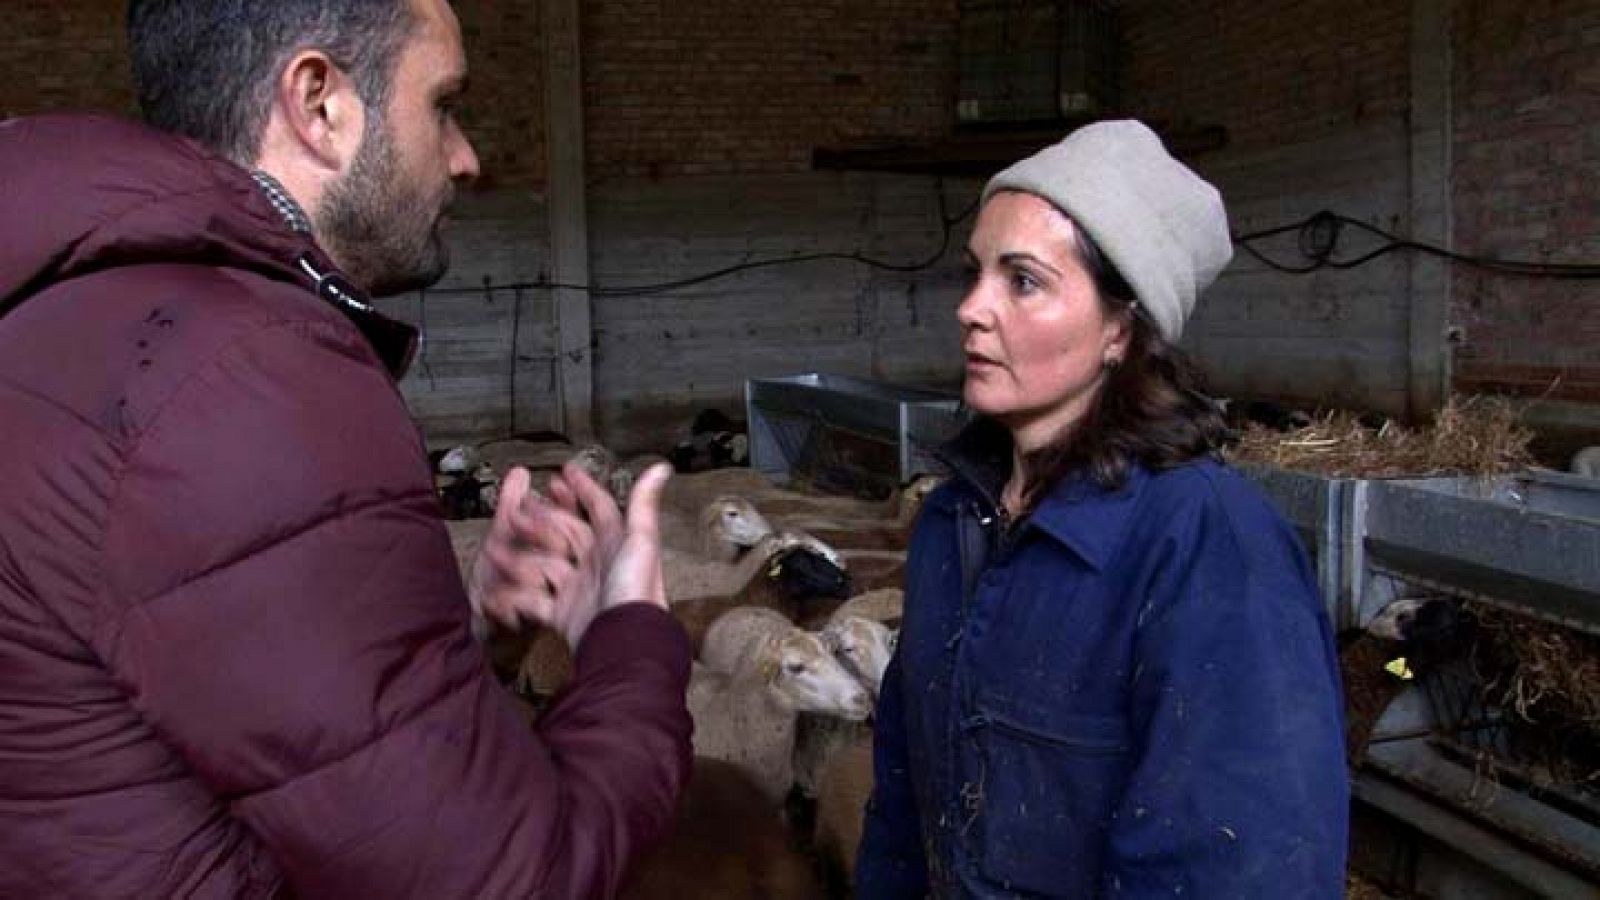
(1162,226)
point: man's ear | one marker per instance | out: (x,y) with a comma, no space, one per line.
(321,108)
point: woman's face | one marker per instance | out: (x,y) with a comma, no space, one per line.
(1035,337)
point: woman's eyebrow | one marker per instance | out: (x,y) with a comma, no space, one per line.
(1016,256)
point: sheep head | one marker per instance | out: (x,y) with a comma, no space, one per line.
(805,676)
(731,522)
(862,646)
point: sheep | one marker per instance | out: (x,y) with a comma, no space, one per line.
(843,790)
(690,575)
(547,456)
(466,536)
(798,584)
(1586,462)
(757,672)
(872,570)
(455,461)
(884,605)
(863,647)
(868,532)
(621,480)
(794,580)
(1421,628)
(833,758)
(506,454)
(1241,414)
(724,529)
(690,493)
(726,842)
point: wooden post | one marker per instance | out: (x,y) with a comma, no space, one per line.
(568,214)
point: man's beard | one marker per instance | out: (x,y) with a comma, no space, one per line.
(381,227)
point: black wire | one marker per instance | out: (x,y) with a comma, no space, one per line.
(947,227)
(1319,251)
(1318,238)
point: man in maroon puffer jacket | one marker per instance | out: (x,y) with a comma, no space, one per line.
(234,649)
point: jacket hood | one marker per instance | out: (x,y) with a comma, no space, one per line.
(80,193)
(85,193)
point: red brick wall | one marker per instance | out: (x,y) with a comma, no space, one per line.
(1270,73)
(731,86)
(503,113)
(64,54)
(1527,186)
(670,89)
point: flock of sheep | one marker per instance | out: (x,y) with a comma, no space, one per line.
(791,602)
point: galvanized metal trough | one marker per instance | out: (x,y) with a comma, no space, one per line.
(1529,542)
(802,420)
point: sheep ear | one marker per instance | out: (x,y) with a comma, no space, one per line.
(771,658)
(768,668)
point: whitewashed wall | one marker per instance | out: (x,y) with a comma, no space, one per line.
(660,358)
(1332,337)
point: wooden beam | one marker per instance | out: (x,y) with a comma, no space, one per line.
(568,213)
(1430,277)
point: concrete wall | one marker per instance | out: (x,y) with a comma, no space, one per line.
(1313,97)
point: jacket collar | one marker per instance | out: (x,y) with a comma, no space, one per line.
(395,342)
(1078,513)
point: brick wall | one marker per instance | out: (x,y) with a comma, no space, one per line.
(1527,97)
(1313,99)
(1270,73)
(670,89)
(730,86)
(503,113)
(64,54)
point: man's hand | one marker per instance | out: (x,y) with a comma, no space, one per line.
(561,561)
(634,575)
(631,572)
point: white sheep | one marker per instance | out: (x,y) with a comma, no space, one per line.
(885,605)
(862,645)
(757,672)
(722,530)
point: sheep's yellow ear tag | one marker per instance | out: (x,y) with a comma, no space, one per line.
(776,569)
(1400,669)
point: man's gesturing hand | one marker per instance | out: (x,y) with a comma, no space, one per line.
(561,561)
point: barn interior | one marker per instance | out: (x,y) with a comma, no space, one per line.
(730,234)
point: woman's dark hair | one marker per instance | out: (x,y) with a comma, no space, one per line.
(206,69)
(1150,410)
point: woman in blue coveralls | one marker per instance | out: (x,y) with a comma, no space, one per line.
(1114,676)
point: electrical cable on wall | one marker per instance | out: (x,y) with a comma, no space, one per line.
(947,225)
(1318,237)
(1318,234)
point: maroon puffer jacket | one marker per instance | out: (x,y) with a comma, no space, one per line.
(234,655)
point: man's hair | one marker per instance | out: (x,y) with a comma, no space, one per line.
(207,69)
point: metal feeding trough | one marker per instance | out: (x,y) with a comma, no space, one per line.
(845,433)
(1442,758)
